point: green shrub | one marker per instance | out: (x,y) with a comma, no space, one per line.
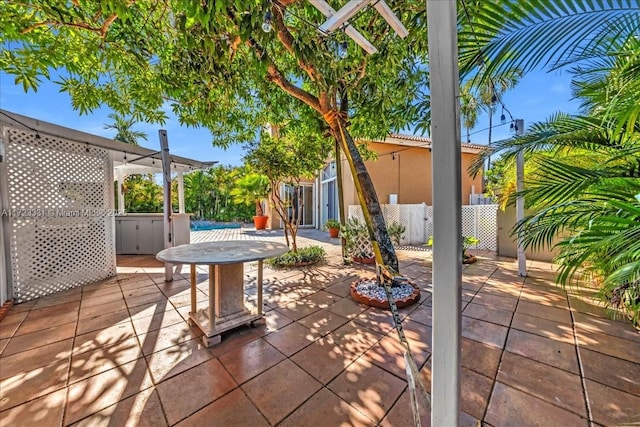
(396,232)
(309,254)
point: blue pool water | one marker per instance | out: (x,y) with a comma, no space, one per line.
(211,225)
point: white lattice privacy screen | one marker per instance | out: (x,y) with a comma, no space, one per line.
(479,221)
(60,201)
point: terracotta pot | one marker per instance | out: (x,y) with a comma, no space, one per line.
(372,302)
(333,232)
(469,259)
(362,260)
(260,221)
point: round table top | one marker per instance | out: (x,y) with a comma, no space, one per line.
(222,252)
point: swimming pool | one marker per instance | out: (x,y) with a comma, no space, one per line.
(212,225)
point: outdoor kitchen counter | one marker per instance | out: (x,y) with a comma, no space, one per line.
(226,260)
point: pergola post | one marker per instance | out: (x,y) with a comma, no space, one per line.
(120,189)
(447,216)
(522,258)
(166,183)
(180,192)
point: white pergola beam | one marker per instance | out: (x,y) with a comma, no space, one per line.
(343,15)
(388,15)
(328,11)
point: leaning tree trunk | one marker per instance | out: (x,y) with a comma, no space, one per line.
(382,246)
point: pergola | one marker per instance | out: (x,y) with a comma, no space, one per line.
(57,230)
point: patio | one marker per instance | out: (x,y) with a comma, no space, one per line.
(121,353)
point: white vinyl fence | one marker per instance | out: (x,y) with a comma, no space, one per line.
(479,221)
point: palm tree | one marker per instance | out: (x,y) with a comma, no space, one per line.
(123,127)
(585,190)
(469,108)
(251,189)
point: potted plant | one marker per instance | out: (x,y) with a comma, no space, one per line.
(333,226)
(467,242)
(252,189)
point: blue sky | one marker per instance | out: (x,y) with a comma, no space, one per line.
(538,95)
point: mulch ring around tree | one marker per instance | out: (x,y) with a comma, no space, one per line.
(369,292)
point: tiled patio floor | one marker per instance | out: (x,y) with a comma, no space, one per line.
(121,353)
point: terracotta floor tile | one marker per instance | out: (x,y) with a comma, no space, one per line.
(325,408)
(203,384)
(151,288)
(174,360)
(354,338)
(547,328)
(251,359)
(401,414)
(103,337)
(323,322)
(166,337)
(233,409)
(559,315)
(235,338)
(3,345)
(323,359)
(96,393)
(368,388)
(98,291)
(30,360)
(63,300)
(494,301)
(95,323)
(621,329)
(97,310)
(511,407)
(388,354)
(11,323)
(347,307)
(611,371)
(291,339)
(538,296)
(45,411)
(84,365)
(480,357)
(28,325)
(48,311)
(488,314)
(376,320)
(422,314)
(608,344)
(151,298)
(612,407)
(297,309)
(553,385)
(140,410)
(488,333)
(341,289)
(474,390)
(163,319)
(545,350)
(587,305)
(24,386)
(101,300)
(288,385)
(43,337)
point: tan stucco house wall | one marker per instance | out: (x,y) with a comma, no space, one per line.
(403,167)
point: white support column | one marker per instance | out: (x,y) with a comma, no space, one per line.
(180,192)
(166,182)
(120,180)
(522,258)
(447,217)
